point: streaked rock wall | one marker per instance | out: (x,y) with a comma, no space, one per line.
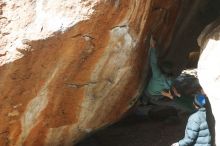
(68,67)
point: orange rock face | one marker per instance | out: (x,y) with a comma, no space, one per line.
(71,67)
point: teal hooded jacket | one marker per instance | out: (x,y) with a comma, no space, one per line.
(158,81)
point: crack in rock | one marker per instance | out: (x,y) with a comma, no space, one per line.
(120,26)
(78,85)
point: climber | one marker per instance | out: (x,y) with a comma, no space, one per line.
(162,82)
(197,130)
(161,78)
(166,92)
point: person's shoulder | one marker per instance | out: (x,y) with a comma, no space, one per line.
(197,116)
(194,116)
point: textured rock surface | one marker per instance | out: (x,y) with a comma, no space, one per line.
(193,17)
(209,69)
(70,67)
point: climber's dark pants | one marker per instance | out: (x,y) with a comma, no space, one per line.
(160,100)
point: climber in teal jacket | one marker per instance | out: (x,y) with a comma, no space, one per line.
(197,131)
(159,81)
(161,84)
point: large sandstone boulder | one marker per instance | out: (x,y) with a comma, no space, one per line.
(209,69)
(70,67)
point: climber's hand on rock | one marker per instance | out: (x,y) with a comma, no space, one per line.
(152,42)
(167,94)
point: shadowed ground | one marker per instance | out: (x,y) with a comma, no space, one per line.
(140,130)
